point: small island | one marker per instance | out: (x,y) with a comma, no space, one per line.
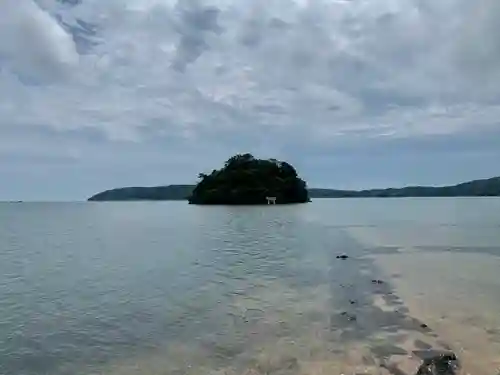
(246,180)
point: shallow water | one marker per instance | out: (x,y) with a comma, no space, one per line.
(168,288)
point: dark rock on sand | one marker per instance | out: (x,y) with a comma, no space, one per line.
(351,318)
(437,362)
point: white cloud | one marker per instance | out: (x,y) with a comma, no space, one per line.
(320,69)
(32,43)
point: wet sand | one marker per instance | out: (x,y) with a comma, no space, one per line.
(459,310)
(447,276)
(302,337)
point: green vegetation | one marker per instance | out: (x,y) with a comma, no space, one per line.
(477,188)
(171,192)
(247,180)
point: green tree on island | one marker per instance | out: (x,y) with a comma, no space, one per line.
(246,180)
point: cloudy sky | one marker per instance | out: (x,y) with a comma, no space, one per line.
(96,94)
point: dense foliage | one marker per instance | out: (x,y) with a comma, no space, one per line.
(247,180)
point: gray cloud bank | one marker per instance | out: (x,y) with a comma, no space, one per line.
(184,80)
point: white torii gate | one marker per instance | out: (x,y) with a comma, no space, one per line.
(271,200)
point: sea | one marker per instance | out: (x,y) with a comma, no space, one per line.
(160,288)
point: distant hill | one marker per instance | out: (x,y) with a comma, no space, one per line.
(486,187)
(155,193)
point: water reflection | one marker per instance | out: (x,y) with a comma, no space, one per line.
(281,326)
(174,289)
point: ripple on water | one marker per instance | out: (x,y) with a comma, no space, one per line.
(174,289)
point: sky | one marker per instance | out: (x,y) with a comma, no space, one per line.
(354,93)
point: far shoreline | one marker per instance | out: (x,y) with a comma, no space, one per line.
(476,188)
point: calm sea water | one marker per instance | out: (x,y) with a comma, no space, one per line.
(169,288)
